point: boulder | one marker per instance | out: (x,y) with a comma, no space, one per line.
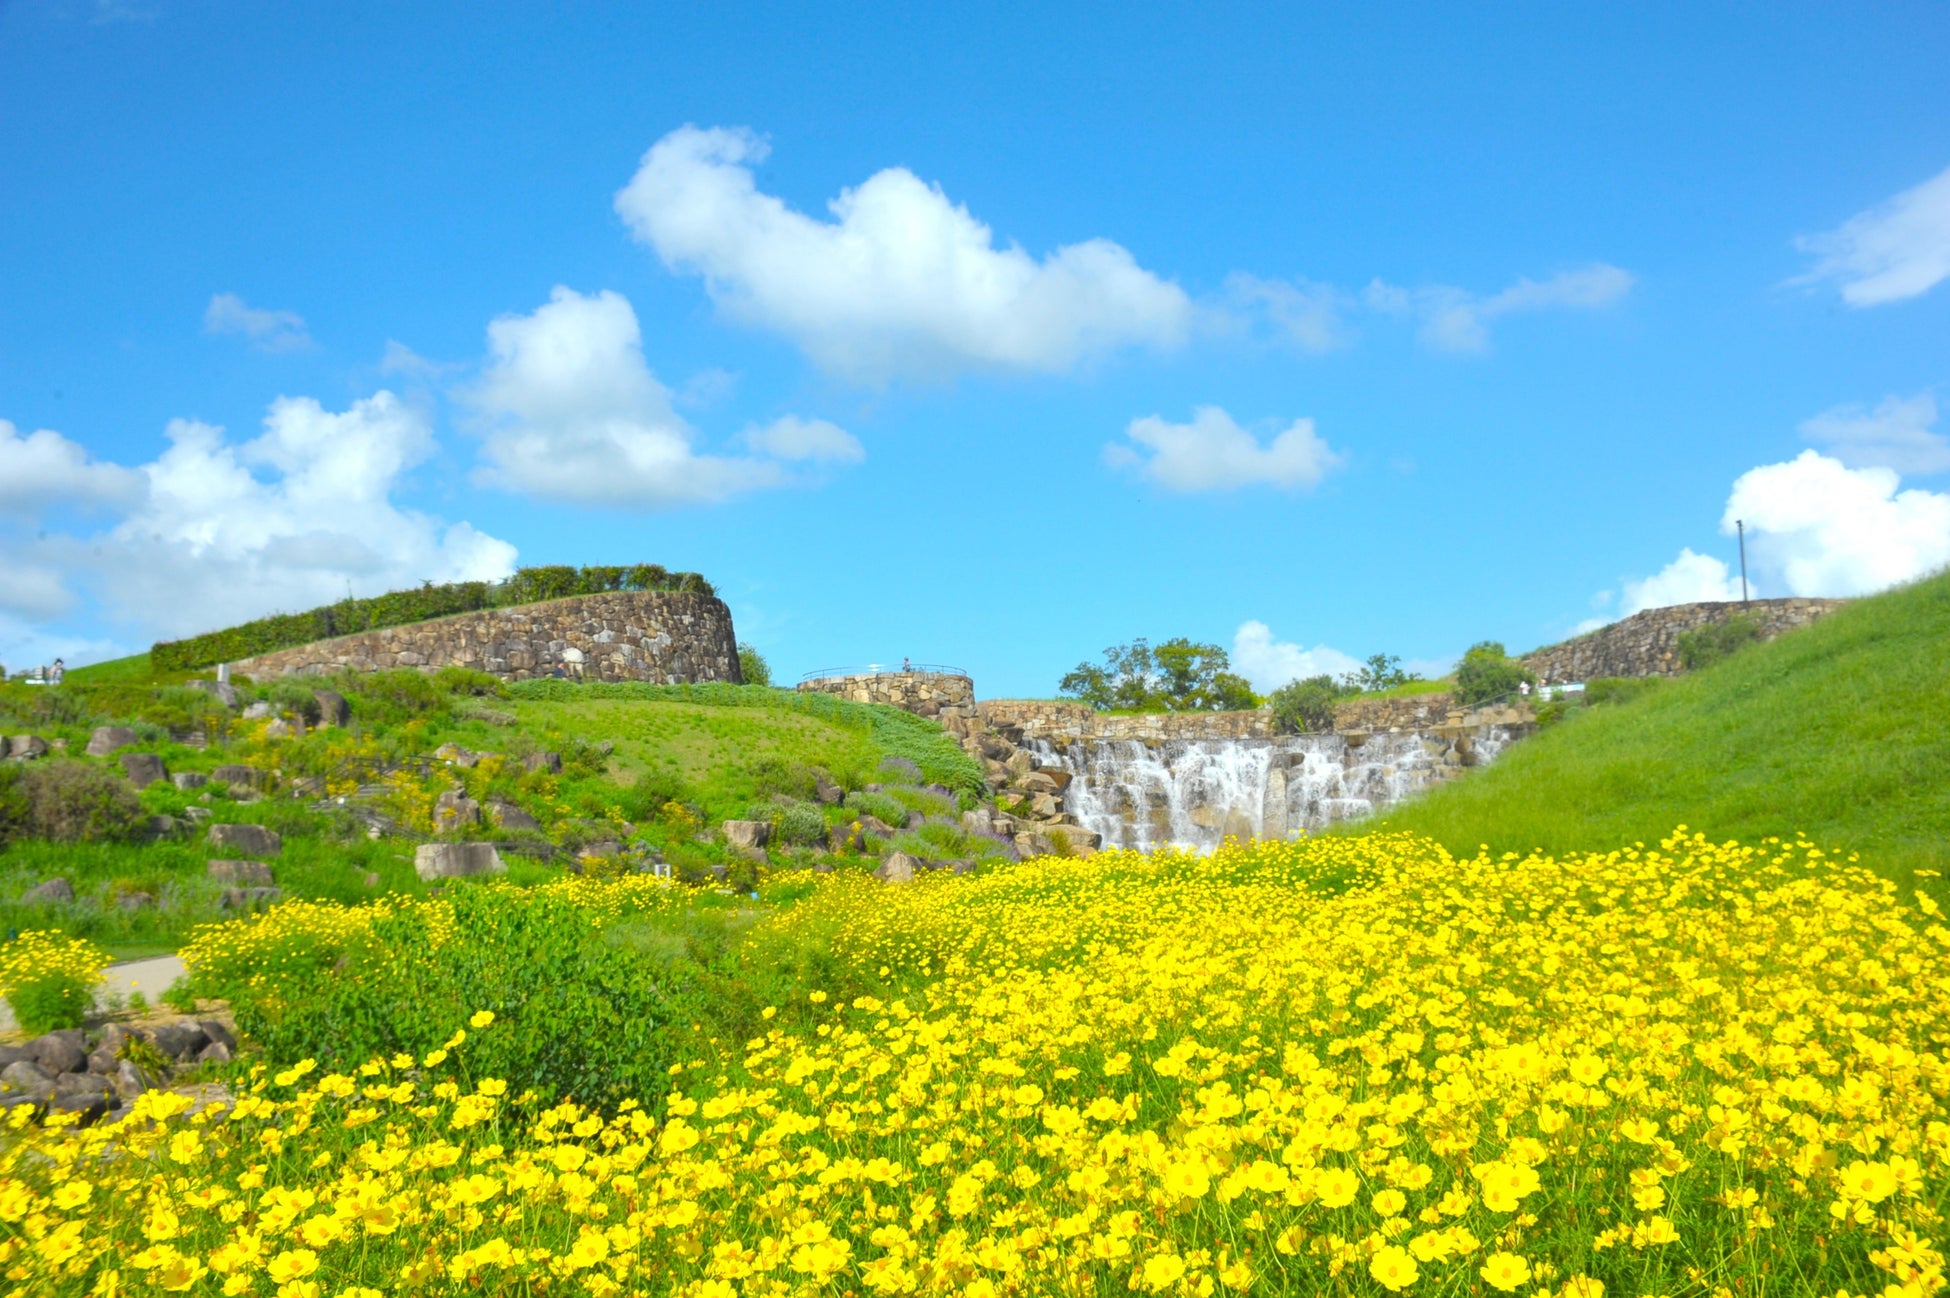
(107,739)
(156,828)
(829,793)
(748,833)
(249,898)
(214,1053)
(1037,782)
(27,1078)
(130,1081)
(26,747)
(102,1062)
(1031,844)
(978,821)
(1019,764)
(54,892)
(875,825)
(1044,806)
(218,1033)
(549,762)
(282,729)
(1079,837)
(60,1052)
(255,874)
(14,1054)
(508,816)
(136,901)
(81,1084)
(222,691)
(179,1040)
(189,779)
(237,776)
(899,867)
(433,861)
(959,866)
(246,840)
(453,810)
(333,710)
(257,711)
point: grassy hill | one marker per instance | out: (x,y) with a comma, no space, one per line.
(1840,731)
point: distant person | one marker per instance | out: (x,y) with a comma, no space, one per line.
(907,664)
(1523,688)
(59,671)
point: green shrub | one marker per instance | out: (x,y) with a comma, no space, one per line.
(752,666)
(1705,645)
(798,825)
(465,680)
(879,805)
(292,698)
(78,802)
(1307,706)
(1487,673)
(391,697)
(51,1003)
(402,607)
(1619,689)
(14,805)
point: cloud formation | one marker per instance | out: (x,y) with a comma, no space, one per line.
(270,331)
(1213,453)
(1455,320)
(1817,527)
(1689,579)
(900,283)
(1270,663)
(1894,435)
(1898,249)
(43,469)
(574,414)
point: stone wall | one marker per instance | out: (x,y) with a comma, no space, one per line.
(1647,644)
(941,695)
(1022,720)
(666,637)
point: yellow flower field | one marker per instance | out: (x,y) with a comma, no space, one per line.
(1351,1065)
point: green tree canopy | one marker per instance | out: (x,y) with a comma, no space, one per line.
(1487,672)
(1176,676)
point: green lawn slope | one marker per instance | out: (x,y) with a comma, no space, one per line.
(1840,731)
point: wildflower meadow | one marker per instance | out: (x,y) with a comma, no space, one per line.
(1349,1065)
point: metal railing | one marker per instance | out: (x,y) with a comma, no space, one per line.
(883,669)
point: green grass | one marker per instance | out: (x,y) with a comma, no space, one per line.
(1840,731)
(134,669)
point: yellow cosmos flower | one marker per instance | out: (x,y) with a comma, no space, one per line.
(1505,1271)
(1393,1268)
(292,1264)
(1337,1187)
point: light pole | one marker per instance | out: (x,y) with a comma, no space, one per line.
(1741,524)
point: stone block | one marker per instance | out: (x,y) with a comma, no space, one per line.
(453,811)
(433,861)
(249,898)
(189,779)
(107,739)
(26,747)
(255,874)
(54,892)
(748,833)
(548,762)
(246,840)
(333,710)
(508,816)
(238,776)
(143,769)
(899,867)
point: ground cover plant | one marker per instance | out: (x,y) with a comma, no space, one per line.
(1843,726)
(1346,1066)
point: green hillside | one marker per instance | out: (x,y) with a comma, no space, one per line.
(1840,731)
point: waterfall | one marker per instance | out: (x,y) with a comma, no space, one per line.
(1194,793)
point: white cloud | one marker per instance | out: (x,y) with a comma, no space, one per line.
(1306,314)
(793,438)
(1689,579)
(32,590)
(901,282)
(1454,319)
(1895,435)
(1270,663)
(1213,453)
(1897,249)
(43,468)
(575,414)
(271,331)
(1819,527)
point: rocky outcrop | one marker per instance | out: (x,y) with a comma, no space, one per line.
(944,696)
(670,638)
(436,861)
(92,1076)
(1647,643)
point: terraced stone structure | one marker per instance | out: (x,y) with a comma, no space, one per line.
(1647,643)
(665,637)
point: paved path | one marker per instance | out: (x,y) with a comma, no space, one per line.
(151,977)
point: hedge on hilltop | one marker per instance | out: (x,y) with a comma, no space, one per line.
(403,607)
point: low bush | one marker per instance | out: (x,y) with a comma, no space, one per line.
(798,825)
(49,979)
(1307,706)
(78,802)
(881,806)
(1487,673)
(467,681)
(1706,645)
(293,698)
(752,666)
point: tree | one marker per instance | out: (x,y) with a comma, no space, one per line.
(1487,672)
(1380,672)
(1307,706)
(1177,676)
(753,667)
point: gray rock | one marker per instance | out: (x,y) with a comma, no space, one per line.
(875,825)
(281,729)
(959,867)
(214,1053)
(830,794)
(333,710)
(107,739)
(246,840)
(26,747)
(136,901)
(52,893)
(978,821)
(157,828)
(456,860)
(453,810)
(25,1078)
(249,898)
(197,815)
(254,874)
(179,1040)
(748,833)
(1031,844)
(102,1061)
(130,1081)
(117,1035)
(549,762)
(508,816)
(222,691)
(143,769)
(257,711)
(899,867)
(14,1054)
(87,1107)
(81,1084)
(65,1051)
(606,847)
(238,776)
(372,879)
(218,1033)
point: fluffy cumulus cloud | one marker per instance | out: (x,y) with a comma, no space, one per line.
(1897,249)
(899,282)
(1817,527)
(1895,434)
(1213,453)
(1689,579)
(43,468)
(271,331)
(1270,663)
(1310,316)
(573,413)
(1456,320)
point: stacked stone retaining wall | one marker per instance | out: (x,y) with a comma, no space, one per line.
(946,697)
(670,638)
(1647,643)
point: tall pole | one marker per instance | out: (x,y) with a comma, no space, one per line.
(1742,525)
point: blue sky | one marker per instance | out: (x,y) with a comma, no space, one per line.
(988,338)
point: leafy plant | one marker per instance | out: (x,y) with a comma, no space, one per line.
(467,681)
(798,825)
(1379,672)
(752,667)
(1307,706)
(49,979)
(1705,645)
(1487,672)
(78,802)
(1176,676)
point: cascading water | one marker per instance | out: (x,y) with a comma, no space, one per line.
(1194,793)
